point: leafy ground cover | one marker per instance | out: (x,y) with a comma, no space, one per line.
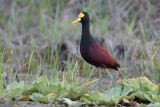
(134,91)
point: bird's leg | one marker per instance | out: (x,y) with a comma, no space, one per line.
(100,79)
(110,83)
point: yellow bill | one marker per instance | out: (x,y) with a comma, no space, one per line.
(75,21)
(81,15)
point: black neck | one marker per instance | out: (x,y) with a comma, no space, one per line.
(86,39)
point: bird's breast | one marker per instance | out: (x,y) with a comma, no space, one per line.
(87,54)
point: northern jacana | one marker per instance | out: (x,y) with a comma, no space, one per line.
(94,53)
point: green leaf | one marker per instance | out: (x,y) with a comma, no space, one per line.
(141,83)
(71,103)
(146,96)
(73,94)
(58,90)
(113,97)
(88,102)
(143,88)
(41,84)
(62,91)
(41,98)
(119,92)
(157,104)
(28,90)
(152,97)
(15,88)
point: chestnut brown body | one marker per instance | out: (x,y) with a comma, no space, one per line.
(96,55)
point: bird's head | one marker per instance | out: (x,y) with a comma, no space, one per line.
(83,17)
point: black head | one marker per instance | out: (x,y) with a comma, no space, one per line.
(83,17)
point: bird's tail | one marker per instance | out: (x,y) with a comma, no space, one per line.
(116,66)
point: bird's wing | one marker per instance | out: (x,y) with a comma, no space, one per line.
(100,56)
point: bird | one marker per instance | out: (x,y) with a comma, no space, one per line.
(92,52)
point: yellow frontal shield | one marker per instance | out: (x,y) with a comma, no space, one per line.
(81,15)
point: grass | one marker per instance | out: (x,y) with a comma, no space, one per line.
(33,33)
(1,78)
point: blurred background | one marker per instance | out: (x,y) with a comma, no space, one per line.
(37,37)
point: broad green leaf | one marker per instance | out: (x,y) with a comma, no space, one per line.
(88,102)
(157,104)
(41,84)
(44,87)
(141,83)
(143,88)
(73,94)
(71,103)
(113,97)
(41,98)
(15,88)
(28,90)
(146,96)
(100,98)
(62,91)
(53,88)
(152,97)
(119,92)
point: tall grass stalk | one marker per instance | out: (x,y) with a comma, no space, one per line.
(156,63)
(1,79)
(30,60)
